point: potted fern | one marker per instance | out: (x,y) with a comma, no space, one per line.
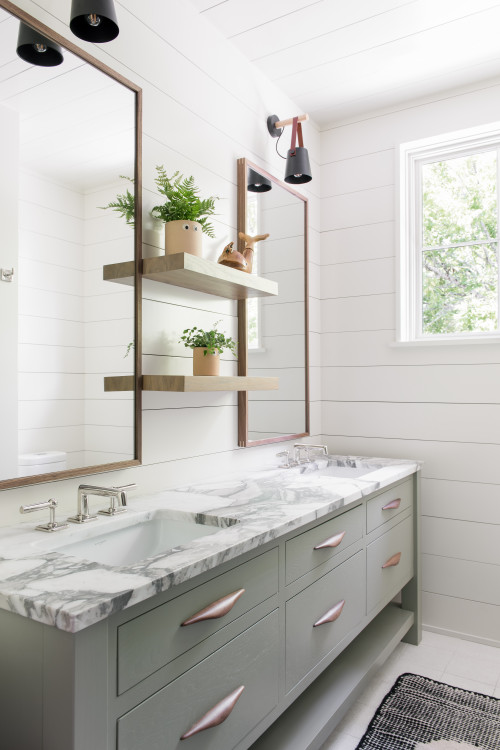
(184,213)
(124,204)
(207,346)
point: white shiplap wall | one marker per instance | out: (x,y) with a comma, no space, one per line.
(108,317)
(440,404)
(204,106)
(51,334)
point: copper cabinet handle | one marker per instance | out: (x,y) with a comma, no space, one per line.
(217,609)
(216,715)
(333,541)
(332,614)
(393,504)
(394,560)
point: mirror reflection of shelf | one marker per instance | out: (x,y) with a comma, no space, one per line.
(191,272)
(191,383)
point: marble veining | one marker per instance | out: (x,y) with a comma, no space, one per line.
(38,582)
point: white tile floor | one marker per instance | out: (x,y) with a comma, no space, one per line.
(452,660)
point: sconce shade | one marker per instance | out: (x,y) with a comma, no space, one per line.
(257,183)
(94,20)
(36,49)
(298,169)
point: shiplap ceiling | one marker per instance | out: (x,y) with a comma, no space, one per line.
(76,125)
(339,59)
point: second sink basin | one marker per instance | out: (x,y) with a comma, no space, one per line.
(345,472)
(152,536)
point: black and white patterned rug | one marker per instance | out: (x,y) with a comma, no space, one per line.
(419,713)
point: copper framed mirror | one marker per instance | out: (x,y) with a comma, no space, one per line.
(68,132)
(273,331)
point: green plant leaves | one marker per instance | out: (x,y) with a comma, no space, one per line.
(124,204)
(182,201)
(212,340)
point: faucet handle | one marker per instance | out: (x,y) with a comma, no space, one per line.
(286,455)
(51,505)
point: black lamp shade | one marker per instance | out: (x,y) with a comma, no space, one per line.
(94,20)
(257,183)
(298,169)
(36,49)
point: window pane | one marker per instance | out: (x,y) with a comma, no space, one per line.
(460,289)
(460,200)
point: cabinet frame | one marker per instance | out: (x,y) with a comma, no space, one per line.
(67,683)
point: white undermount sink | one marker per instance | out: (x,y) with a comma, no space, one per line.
(345,472)
(127,538)
(156,535)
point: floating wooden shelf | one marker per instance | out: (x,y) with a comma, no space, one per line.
(191,272)
(119,383)
(191,383)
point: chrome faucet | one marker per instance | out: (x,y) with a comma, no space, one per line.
(114,493)
(308,449)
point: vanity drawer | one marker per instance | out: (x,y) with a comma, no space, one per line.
(152,640)
(307,639)
(301,553)
(385,506)
(250,660)
(394,550)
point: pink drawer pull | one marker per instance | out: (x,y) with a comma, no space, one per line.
(394,560)
(216,715)
(217,609)
(393,504)
(333,541)
(332,614)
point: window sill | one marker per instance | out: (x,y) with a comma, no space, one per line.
(447,342)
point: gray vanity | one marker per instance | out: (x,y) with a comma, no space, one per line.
(289,607)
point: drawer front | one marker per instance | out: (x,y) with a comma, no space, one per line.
(306,644)
(250,660)
(155,638)
(335,536)
(382,508)
(394,550)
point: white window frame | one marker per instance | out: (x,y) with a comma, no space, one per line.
(412,156)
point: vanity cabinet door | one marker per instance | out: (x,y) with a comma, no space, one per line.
(318,545)
(382,508)
(322,615)
(148,642)
(211,689)
(389,563)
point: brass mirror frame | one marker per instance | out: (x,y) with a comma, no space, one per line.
(136,461)
(243,441)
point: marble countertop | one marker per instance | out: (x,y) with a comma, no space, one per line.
(39,582)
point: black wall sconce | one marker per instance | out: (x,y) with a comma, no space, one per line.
(298,169)
(94,20)
(36,49)
(257,183)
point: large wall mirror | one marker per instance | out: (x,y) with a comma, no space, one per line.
(275,329)
(67,134)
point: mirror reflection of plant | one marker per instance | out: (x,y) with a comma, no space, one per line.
(182,201)
(130,346)
(212,341)
(124,204)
